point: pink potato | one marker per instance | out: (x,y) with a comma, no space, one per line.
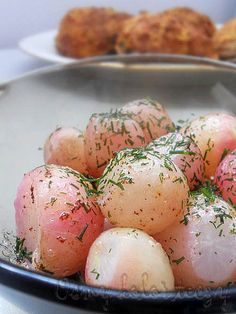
(128,259)
(151,116)
(107,225)
(214,134)
(144,190)
(225,178)
(201,247)
(57,218)
(106,134)
(184,153)
(65,147)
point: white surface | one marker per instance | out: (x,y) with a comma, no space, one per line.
(31,305)
(22,18)
(42,46)
(14,63)
(6,307)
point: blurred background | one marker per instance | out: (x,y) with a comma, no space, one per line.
(21,18)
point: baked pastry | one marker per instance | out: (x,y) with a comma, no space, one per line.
(88,32)
(225,40)
(198,20)
(179,31)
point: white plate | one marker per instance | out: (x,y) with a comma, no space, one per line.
(42,46)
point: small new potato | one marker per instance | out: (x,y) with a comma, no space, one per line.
(57,218)
(151,116)
(225,178)
(214,134)
(184,153)
(107,224)
(106,134)
(201,246)
(142,189)
(65,147)
(128,259)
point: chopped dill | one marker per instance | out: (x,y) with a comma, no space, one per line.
(21,251)
(80,236)
(179,260)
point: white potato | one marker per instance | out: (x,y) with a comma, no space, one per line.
(106,134)
(184,153)
(201,247)
(65,147)
(128,259)
(215,134)
(151,116)
(144,190)
(225,178)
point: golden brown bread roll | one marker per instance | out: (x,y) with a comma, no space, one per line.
(225,40)
(179,30)
(198,20)
(88,32)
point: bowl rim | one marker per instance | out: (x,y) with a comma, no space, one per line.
(128,59)
(46,286)
(72,285)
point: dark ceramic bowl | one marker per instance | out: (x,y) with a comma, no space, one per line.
(32,106)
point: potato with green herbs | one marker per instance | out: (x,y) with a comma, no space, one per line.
(184,153)
(128,259)
(106,134)
(151,116)
(215,135)
(58,219)
(142,189)
(65,147)
(225,178)
(201,246)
